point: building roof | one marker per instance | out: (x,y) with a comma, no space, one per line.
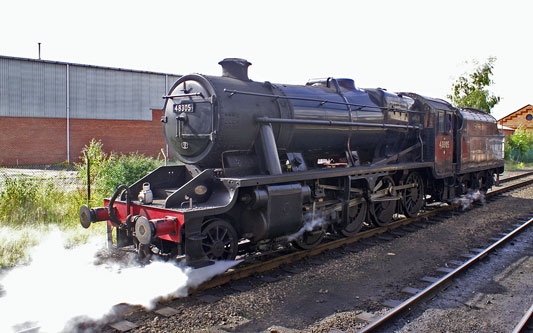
(515,114)
(84,65)
(505,128)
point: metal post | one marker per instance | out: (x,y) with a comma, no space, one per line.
(166,92)
(164,156)
(88,162)
(68,114)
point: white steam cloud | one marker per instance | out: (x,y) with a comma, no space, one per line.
(61,287)
(310,225)
(467,199)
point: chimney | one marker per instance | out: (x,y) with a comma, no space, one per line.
(235,68)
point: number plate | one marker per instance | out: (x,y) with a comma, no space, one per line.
(186,107)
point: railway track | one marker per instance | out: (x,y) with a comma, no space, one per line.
(512,178)
(246,269)
(434,288)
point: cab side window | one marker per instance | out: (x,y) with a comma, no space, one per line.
(448,123)
(441,122)
(445,122)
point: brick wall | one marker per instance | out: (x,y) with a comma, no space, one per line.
(522,117)
(36,141)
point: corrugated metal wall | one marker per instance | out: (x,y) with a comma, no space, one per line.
(30,88)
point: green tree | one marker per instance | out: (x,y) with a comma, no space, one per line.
(470,90)
(521,140)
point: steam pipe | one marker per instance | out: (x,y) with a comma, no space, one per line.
(266,146)
(329,123)
(88,215)
(112,217)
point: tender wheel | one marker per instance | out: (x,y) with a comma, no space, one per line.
(382,212)
(484,182)
(221,240)
(413,198)
(357,217)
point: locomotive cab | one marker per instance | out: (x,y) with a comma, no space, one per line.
(444,148)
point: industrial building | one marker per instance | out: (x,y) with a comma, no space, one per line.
(50,110)
(522,118)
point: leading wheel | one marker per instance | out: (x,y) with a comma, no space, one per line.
(221,240)
(381,209)
(413,197)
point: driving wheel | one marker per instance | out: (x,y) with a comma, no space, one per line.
(413,197)
(382,209)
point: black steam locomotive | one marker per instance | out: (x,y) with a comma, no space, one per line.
(267,163)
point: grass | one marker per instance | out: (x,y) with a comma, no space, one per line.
(16,241)
(25,201)
(513,165)
(31,208)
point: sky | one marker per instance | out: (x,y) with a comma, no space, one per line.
(416,46)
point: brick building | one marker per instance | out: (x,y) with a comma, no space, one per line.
(521,117)
(50,110)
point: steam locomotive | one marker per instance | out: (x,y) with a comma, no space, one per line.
(266,163)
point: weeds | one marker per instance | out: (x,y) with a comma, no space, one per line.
(27,202)
(15,241)
(512,165)
(108,171)
(30,207)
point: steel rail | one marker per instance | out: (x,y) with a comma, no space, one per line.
(508,179)
(249,270)
(433,288)
(521,326)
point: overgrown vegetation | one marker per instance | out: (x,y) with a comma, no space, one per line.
(30,207)
(108,171)
(518,145)
(511,165)
(29,202)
